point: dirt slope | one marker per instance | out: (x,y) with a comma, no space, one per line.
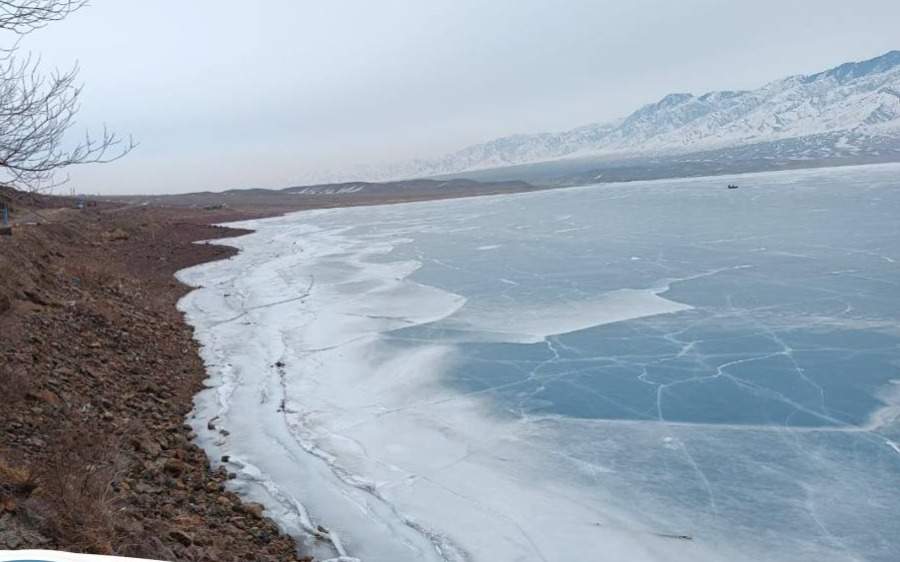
(97,373)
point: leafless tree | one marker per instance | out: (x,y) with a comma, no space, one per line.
(27,15)
(38,110)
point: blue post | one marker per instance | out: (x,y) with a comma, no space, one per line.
(5,216)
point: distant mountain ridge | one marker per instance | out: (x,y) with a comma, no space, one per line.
(856,102)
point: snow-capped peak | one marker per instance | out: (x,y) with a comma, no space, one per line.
(861,99)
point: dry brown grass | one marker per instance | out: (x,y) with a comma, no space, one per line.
(75,500)
(16,481)
(94,276)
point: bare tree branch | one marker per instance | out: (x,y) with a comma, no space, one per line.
(37,111)
(24,16)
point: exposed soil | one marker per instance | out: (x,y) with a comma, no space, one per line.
(97,374)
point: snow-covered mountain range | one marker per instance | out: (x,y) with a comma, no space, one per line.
(847,106)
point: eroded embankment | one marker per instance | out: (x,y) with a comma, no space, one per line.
(97,374)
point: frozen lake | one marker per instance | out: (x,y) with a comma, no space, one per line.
(652,371)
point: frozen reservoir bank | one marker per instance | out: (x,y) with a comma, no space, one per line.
(655,371)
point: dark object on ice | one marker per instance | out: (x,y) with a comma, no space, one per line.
(732,186)
(662,535)
(677,537)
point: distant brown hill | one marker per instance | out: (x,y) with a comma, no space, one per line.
(330,195)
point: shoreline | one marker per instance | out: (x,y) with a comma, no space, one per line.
(244,362)
(94,345)
(98,372)
(92,339)
(255,374)
(247,489)
(251,483)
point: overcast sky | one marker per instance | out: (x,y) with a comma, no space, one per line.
(270,93)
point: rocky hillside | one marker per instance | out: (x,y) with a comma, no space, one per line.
(97,374)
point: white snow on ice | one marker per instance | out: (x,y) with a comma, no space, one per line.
(331,422)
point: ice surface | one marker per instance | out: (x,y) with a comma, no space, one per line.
(652,371)
(528,324)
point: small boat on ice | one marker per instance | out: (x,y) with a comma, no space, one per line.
(732,186)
